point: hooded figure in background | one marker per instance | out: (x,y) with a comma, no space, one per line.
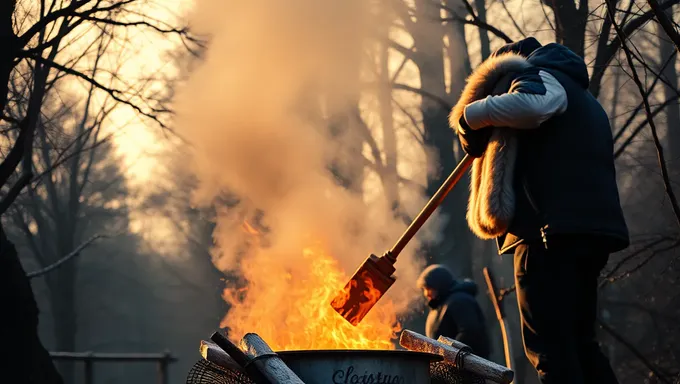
(544,186)
(454,311)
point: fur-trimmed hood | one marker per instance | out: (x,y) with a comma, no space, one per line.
(491,205)
(492,76)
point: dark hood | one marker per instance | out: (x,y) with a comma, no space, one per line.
(552,56)
(466,286)
(560,58)
(523,47)
(437,277)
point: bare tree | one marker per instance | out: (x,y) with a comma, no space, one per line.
(38,40)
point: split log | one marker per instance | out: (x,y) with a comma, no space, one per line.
(214,354)
(469,362)
(267,361)
(258,360)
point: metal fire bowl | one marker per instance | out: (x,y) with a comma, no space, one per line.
(360,366)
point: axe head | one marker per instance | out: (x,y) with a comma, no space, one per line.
(365,288)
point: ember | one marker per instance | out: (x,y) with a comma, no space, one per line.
(287,303)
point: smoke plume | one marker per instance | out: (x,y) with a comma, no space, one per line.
(256,111)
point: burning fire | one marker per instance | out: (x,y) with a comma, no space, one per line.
(287,304)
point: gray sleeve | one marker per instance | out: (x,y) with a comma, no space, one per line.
(517,109)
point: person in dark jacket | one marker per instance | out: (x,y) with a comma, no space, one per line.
(454,311)
(543,185)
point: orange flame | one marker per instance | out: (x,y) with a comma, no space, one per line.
(288,306)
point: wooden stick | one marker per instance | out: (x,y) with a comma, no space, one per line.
(267,361)
(214,354)
(500,315)
(471,363)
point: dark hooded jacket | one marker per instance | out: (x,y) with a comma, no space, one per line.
(454,311)
(564,178)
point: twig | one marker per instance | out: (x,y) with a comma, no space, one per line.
(642,125)
(443,103)
(64,259)
(632,255)
(608,51)
(671,58)
(630,346)
(650,118)
(476,21)
(665,23)
(640,264)
(514,22)
(114,93)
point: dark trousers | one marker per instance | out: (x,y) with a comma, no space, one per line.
(557,298)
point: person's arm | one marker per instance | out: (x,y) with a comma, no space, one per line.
(534,97)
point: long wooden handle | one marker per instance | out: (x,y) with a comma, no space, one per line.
(472,363)
(431,205)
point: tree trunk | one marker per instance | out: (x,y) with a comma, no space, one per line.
(23,352)
(9,43)
(484,42)
(390,175)
(62,288)
(667,48)
(454,247)
(570,23)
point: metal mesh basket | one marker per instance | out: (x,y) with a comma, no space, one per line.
(447,373)
(204,372)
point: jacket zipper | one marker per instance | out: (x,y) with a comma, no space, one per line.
(544,237)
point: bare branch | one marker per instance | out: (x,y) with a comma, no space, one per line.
(64,259)
(648,111)
(643,124)
(439,100)
(665,23)
(512,18)
(476,21)
(114,93)
(68,12)
(23,181)
(606,53)
(632,116)
(632,348)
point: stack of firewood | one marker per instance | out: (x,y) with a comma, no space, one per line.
(251,357)
(458,355)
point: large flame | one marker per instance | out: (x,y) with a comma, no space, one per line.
(288,306)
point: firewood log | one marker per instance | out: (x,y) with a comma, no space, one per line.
(471,363)
(267,361)
(216,355)
(453,342)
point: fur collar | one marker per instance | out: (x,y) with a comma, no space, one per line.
(491,205)
(486,79)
